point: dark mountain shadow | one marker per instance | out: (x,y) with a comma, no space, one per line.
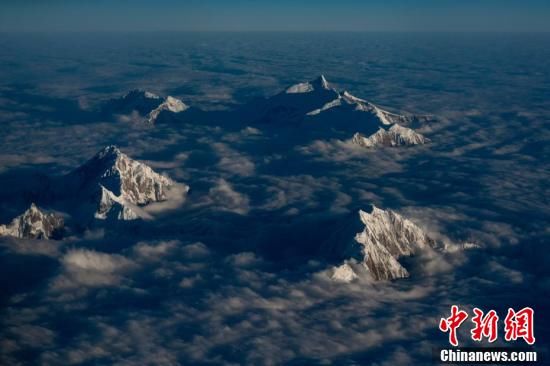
(197,117)
(20,187)
(286,108)
(293,241)
(135,100)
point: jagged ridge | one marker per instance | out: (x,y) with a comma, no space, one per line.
(387,237)
(318,97)
(117,183)
(34,224)
(396,135)
(170,104)
(318,84)
(148,105)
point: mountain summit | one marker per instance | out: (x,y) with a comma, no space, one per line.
(34,224)
(388,236)
(147,105)
(320,83)
(116,185)
(170,104)
(328,113)
(137,100)
(291,105)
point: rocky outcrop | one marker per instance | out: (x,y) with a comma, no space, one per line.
(34,224)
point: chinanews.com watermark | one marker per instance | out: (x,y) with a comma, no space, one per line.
(487,355)
(518,327)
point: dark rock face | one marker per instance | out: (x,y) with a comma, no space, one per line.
(292,105)
(136,100)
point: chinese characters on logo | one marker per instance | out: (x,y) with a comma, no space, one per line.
(518,324)
(485,326)
(452,323)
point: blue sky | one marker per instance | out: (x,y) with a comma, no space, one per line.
(281,15)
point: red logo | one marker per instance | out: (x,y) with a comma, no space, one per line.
(518,324)
(485,326)
(452,323)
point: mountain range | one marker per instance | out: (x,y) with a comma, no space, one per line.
(314,105)
(318,106)
(109,187)
(113,187)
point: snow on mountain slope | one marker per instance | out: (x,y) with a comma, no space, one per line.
(385,117)
(34,224)
(318,101)
(333,103)
(292,104)
(343,273)
(378,247)
(387,237)
(396,135)
(347,101)
(146,104)
(318,84)
(170,104)
(114,206)
(117,184)
(348,113)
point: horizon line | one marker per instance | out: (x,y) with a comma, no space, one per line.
(269,31)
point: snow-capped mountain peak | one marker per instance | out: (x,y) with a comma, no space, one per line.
(407,136)
(343,273)
(170,104)
(400,235)
(396,135)
(174,105)
(124,176)
(34,224)
(147,105)
(387,237)
(319,83)
(347,100)
(112,180)
(110,151)
(112,206)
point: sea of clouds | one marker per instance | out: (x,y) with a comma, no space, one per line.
(237,272)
